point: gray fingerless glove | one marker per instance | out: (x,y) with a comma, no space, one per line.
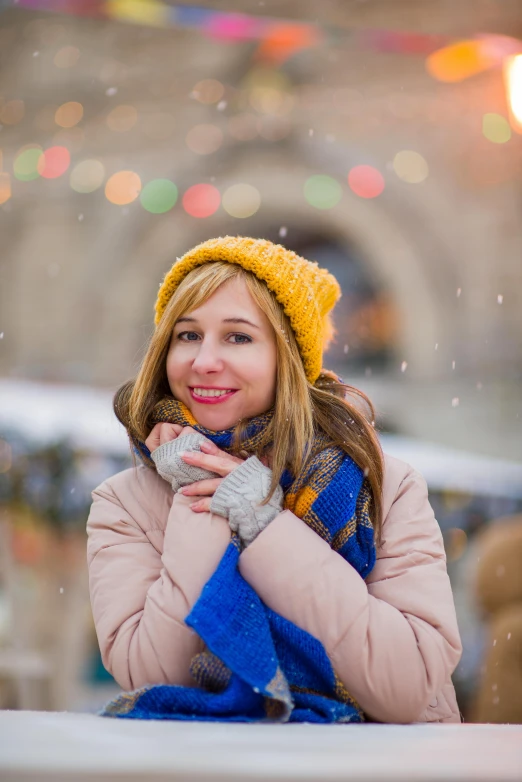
(171,466)
(238,496)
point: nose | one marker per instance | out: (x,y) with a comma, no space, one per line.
(207,358)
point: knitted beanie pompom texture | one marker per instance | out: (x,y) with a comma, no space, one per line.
(307,292)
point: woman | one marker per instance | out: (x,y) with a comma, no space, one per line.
(245,439)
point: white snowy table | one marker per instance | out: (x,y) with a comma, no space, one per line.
(67,747)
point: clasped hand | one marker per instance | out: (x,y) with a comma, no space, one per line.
(210,458)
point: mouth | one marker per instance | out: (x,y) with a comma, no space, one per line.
(212,400)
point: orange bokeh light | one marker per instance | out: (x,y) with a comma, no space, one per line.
(5,188)
(460,60)
(68,114)
(123,188)
(201,200)
(54,162)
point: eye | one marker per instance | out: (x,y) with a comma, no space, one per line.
(195,334)
(182,333)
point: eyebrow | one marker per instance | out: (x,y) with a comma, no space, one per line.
(225,320)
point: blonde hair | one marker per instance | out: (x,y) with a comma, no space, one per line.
(301,410)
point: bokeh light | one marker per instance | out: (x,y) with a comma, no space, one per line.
(366,181)
(87,176)
(151,12)
(66,57)
(208,91)
(54,162)
(204,139)
(12,112)
(322,191)
(123,187)
(513,80)
(159,196)
(122,118)
(410,166)
(241,200)
(496,128)
(460,60)
(270,100)
(201,200)
(243,127)
(25,165)
(5,188)
(68,114)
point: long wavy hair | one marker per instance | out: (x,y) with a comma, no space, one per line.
(340,414)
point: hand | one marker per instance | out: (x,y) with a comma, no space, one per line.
(164,433)
(215,460)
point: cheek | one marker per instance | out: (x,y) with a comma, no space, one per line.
(174,367)
(259,367)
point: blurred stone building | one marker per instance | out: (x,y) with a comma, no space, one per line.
(430,324)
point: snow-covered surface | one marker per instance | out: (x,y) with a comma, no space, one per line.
(68,746)
(46,412)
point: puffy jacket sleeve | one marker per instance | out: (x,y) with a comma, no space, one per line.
(140,596)
(392,639)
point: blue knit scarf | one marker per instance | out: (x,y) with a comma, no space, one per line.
(258,666)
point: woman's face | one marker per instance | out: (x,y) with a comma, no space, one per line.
(212,349)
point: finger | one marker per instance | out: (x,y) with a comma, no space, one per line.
(169,432)
(206,487)
(211,448)
(153,440)
(202,505)
(223,465)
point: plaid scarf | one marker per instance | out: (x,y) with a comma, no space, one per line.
(257,665)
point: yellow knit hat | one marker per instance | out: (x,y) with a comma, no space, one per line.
(307,292)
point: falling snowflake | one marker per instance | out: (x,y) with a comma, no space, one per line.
(346,348)
(500,298)
(111,91)
(222,105)
(453,364)
(455,401)
(436,346)
(283,230)
(61,590)
(459,291)
(404,366)
(311,132)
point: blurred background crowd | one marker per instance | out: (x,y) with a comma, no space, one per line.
(382,138)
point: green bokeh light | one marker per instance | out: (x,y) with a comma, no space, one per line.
(25,166)
(159,196)
(322,191)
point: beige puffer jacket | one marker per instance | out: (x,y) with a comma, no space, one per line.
(392,639)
